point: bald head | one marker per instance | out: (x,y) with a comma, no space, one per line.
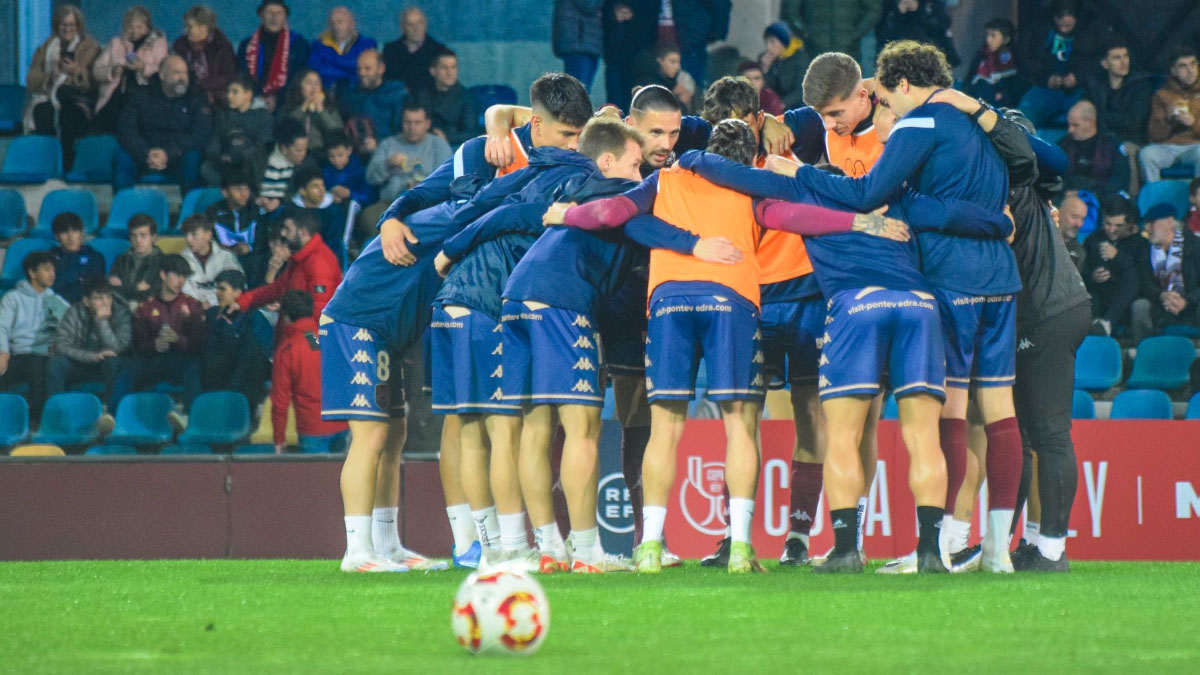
(1081,121)
(341,23)
(174,76)
(414,25)
(370,69)
(1071,215)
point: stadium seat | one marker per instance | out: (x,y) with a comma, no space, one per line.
(1098,364)
(1193,409)
(217,418)
(891,410)
(80,202)
(32,159)
(13,218)
(1082,406)
(12,272)
(93,160)
(178,449)
(142,420)
(70,419)
(490,94)
(12,107)
(111,249)
(195,201)
(111,450)
(132,201)
(1162,363)
(14,420)
(172,244)
(1179,171)
(37,450)
(256,449)
(1141,404)
(1173,192)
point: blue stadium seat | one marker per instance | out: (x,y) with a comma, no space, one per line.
(490,94)
(1141,404)
(12,106)
(93,160)
(1082,406)
(69,419)
(1162,363)
(142,420)
(1179,171)
(132,201)
(195,201)
(12,271)
(1193,408)
(255,449)
(13,218)
(178,449)
(107,449)
(1173,192)
(32,159)
(110,249)
(80,202)
(1098,364)
(14,420)
(217,418)
(609,410)
(1051,135)
(891,410)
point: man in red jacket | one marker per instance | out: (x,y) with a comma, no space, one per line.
(296,381)
(313,268)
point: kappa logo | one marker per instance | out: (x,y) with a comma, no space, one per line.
(647,361)
(359,401)
(581,321)
(757,334)
(497,395)
(824,360)
(649,384)
(758,357)
(825,338)
(496,329)
(583,342)
(757,381)
(828,319)
(499,350)
(498,372)
(1024,344)
(361,356)
(584,363)
(360,379)
(583,387)
(823,382)
(363,335)
(800,514)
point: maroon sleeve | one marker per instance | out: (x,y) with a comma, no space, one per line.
(601,214)
(803,219)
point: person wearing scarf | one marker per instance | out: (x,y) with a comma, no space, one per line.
(208,53)
(784,63)
(334,55)
(273,53)
(1170,276)
(129,61)
(60,84)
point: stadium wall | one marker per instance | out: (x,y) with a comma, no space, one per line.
(1138,498)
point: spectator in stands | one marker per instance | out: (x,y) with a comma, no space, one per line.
(770,101)
(408,59)
(128,62)
(309,104)
(273,54)
(204,260)
(337,218)
(334,54)
(693,24)
(1056,57)
(1193,218)
(1170,272)
(784,63)
(831,26)
(62,92)
(344,173)
(666,69)
(209,54)
(29,317)
(372,107)
(992,75)
(453,109)
(577,38)
(280,252)
(164,128)
(1097,160)
(168,336)
(92,337)
(290,151)
(1071,216)
(312,267)
(629,25)
(921,20)
(74,260)
(1121,95)
(235,218)
(240,134)
(407,158)
(1174,127)
(237,350)
(135,272)
(1110,268)
(296,381)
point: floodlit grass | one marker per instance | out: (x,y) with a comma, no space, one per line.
(306,617)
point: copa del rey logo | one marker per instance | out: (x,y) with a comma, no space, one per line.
(700,497)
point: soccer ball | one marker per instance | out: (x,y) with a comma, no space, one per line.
(500,613)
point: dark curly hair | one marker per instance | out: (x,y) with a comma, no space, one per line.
(730,98)
(733,140)
(922,65)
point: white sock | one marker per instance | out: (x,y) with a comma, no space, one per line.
(384,533)
(461,526)
(999,526)
(1032,532)
(862,519)
(358,536)
(960,533)
(547,537)
(741,514)
(584,544)
(1052,548)
(796,535)
(487,526)
(512,532)
(654,518)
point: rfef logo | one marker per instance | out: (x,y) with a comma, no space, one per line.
(614,509)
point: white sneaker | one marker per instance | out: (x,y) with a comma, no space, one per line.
(416,561)
(603,564)
(905,565)
(994,557)
(670,559)
(371,563)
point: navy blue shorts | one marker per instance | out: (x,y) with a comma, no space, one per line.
(361,377)
(790,331)
(980,334)
(466,355)
(874,330)
(723,330)
(551,355)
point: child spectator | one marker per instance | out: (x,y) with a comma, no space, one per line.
(1193,219)
(453,109)
(767,98)
(205,260)
(337,219)
(29,316)
(289,152)
(241,133)
(74,260)
(236,354)
(345,175)
(784,63)
(992,75)
(91,338)
(296,381)
(235,218)
(407,158)
(135,271)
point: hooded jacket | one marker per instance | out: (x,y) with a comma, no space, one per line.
(28,319)
(202,284)
(296,382)
(313,269)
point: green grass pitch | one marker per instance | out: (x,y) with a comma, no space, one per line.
(306,617)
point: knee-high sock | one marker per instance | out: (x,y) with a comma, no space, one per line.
(633,449)
(954,448)
(806,494)
(1003,463)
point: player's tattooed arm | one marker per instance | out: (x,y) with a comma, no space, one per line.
(879,225)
